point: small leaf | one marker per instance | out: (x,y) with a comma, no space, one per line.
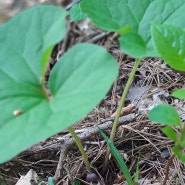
(165,114)
(76,13)
(182,142)
(133,45)
(177,151)
(170,43)
(76,182)
(118,158)
(51,181)
(180,93)
(182,158)
(168,131)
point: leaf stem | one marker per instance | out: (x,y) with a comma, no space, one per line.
(80,147)
(122,102)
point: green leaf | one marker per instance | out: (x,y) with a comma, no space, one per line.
(116,14)
(76,13)
(133,44)
(168,131)
(137,15)
(136,178)
(77,83)
(165,114)
(77,182)
(182,141)
(177,151)
(180,93)
(51,181)
(182,158)
(118,158)
(170,43)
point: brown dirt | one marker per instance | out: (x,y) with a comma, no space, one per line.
(138,140)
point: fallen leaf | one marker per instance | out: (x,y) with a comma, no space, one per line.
(125,110)
(26,180)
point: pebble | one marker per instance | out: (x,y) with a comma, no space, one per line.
(165,154)
(176,101)
(91,177)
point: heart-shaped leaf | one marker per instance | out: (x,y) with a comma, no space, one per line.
(76,84)
(165,114)
(136,16)
(170,43)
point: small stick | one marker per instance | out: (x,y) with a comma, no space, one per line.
(87,133)
(170,160)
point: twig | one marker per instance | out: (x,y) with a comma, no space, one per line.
(87,133)
(168,168)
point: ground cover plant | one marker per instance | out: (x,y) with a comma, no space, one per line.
(174,54)
(33,110)
(133,36)
(132,21)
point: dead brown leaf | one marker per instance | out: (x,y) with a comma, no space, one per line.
(125,110)
(31,175)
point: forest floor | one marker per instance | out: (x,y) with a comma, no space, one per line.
(138,140)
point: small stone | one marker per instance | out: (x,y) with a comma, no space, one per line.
(166,94)
(125,156)
(165,154)
(92,177)
(176,101)
(163,66)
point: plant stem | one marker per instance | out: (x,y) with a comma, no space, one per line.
(80,147)
(122,102)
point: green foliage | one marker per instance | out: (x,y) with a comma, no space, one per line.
(169,131)
(133,44)
(76,182)
(123,16)
(180,93)
(76,13)
(79,80)
(165,114)
(146,33)
(170,43)
(51,181)
(136,178)
(118,158)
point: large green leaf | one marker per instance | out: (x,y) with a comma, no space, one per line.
(76,13)
(136,16)
(170,43)
(77,82)
(165,114)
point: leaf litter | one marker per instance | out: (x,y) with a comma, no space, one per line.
(136,138)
